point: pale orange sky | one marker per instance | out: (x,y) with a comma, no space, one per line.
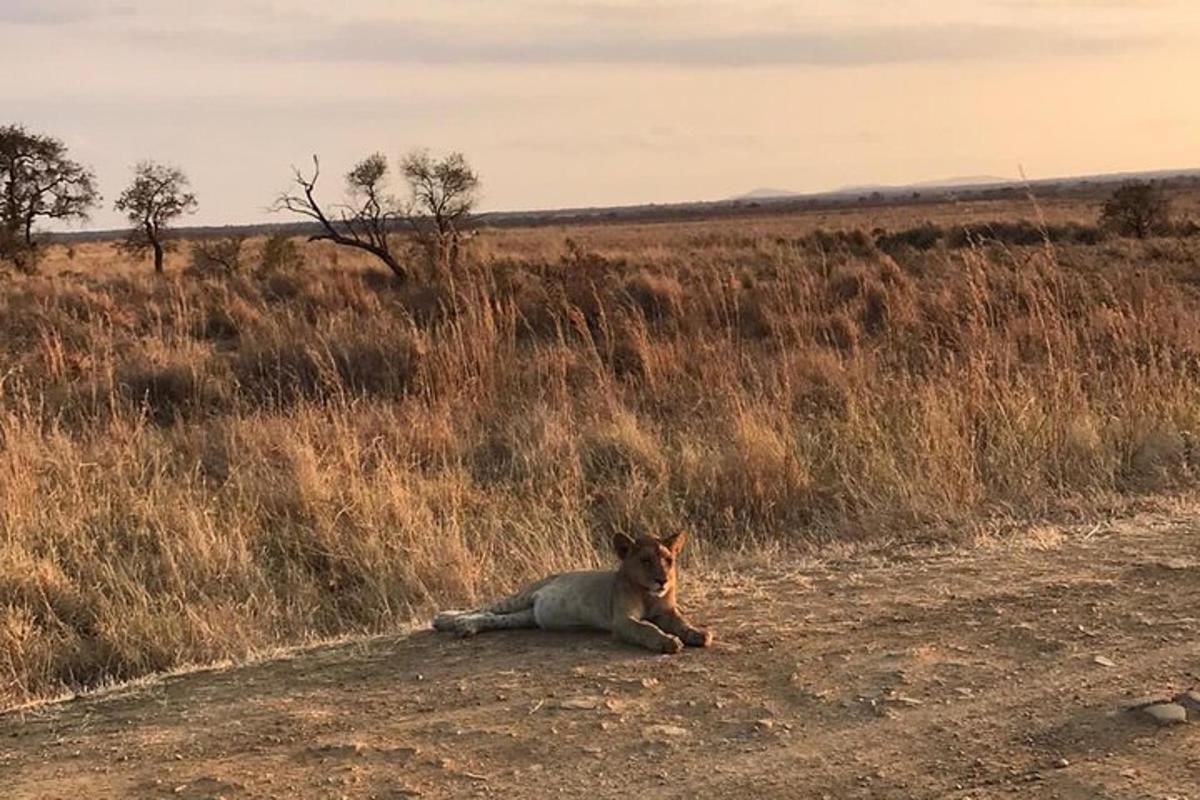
(566,103)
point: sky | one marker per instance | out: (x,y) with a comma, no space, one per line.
(603,102)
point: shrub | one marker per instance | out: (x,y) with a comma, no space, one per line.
(280,254)
(923,237)
(1137,209)
(217,256)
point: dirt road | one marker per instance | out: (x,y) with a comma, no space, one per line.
(984,671)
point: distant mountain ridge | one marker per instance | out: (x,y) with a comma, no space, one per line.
(962,182)
(767,193)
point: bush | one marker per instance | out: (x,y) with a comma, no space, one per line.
(280,254)
(923,237)
(1137,209)
(23,257)
(217,257)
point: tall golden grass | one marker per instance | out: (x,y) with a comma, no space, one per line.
(194,469)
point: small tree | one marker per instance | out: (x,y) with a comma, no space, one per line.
(366,223)
(221,256)
(37,181)
(1138,208)
(157,197)
(444,191)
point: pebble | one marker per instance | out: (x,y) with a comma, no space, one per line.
(580,703)
(664,731)
(1165,714)
(1190,701)
(1138,703)
(1104,661)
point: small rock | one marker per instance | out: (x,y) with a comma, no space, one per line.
(664,731)
(764,724)
(1062,763)
(580,703)
(1104,661)
(1138,703)
(1164,714)
(1190,701)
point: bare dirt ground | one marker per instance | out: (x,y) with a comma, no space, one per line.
(991,670)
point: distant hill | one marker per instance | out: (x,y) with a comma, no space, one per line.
(765,194)
(941,183)
(970,180)
(967,182)
(757,201)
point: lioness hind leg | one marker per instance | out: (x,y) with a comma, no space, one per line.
(449,620)
(473,622)
(520,601)
(517,619)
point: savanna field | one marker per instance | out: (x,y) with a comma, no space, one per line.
(200,466)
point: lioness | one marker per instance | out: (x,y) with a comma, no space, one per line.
(636,602)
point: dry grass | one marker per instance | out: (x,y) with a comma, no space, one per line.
(193,469)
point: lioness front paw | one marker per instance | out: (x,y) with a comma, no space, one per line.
(670,644)
(699,638)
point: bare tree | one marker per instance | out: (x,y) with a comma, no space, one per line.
(157,197)
(444,191)
(365,223)
(37,181)
(1137,208)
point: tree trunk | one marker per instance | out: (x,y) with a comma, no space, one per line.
(152,235)
(398,269)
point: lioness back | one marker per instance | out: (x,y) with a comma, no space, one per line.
(575,600)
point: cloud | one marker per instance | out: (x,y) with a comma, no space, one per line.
(59,12)
(1124,5)
(442,44)
(838,48)
(469,32)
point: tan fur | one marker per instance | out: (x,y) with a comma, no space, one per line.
(636,602)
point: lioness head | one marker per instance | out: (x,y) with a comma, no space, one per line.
(649,563)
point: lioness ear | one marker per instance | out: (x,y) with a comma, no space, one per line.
(675,543)
(623,545)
